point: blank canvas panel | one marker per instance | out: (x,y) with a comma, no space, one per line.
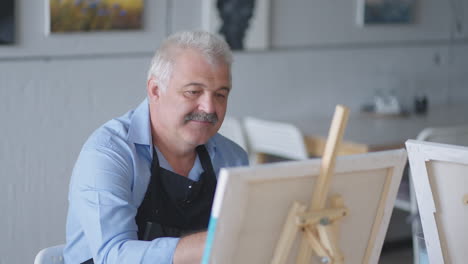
(440,176)
(251,205)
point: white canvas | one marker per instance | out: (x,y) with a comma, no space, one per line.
(440,179)
(251,205)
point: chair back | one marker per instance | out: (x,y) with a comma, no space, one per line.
(50,255)
(455,135)
(232,129)
(276,138)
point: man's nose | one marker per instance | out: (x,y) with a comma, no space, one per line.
(207,104)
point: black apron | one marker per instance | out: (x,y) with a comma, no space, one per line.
(174,205)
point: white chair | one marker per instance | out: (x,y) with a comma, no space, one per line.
(232,129)
(275,138)
(455,135)
(50,255)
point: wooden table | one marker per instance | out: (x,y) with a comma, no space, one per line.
(366,132)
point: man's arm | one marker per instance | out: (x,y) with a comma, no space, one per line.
(190,249)
(102,198)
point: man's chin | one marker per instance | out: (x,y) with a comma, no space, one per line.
(200,136)
(195,140)
(199,140)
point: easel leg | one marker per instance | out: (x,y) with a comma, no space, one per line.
(288,234)
(313,244)
(336,201)
(327,236)
(305,251)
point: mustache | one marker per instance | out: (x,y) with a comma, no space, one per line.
(202,116)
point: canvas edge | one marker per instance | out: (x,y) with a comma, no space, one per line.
(372,160)
(217,202)
(386,206)
(418,153)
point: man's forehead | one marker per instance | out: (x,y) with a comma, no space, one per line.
(204,86)
(180,55)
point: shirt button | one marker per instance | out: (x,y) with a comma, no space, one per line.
(190,187)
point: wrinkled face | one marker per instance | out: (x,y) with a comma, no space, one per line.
(192,108)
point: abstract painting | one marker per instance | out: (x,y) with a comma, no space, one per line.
(386,11)
(244,24)
(7,21)
(95,15)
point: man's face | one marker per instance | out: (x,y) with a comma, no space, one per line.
(193,107)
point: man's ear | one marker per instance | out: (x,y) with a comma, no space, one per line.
(153,90)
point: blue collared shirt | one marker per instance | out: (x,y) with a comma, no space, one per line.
(109,183)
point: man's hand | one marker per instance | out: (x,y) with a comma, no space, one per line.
(190,249)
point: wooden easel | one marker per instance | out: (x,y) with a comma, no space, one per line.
(319,225)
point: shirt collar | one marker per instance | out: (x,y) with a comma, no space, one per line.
(211,147)
(139,131)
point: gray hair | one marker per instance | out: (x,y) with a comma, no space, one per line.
(211,46)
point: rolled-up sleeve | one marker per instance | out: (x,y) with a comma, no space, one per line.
(101,194)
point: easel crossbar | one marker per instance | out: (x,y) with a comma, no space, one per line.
(321,216)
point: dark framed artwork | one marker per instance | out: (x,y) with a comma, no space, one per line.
(94,15)
(375,12)
(244,24)
(7,21)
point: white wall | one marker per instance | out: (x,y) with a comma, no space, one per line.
(318,22)
(48,108)
(55,90)
(313,81)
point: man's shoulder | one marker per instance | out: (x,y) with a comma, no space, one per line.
(230,150)
(225,143)
(112,134)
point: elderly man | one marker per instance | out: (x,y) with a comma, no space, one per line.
(143,184)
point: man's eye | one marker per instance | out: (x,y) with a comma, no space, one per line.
(192,93)
(219,95)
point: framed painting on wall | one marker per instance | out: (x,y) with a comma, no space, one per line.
(244,24)
(94,15)
(381,12)
(7,21)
